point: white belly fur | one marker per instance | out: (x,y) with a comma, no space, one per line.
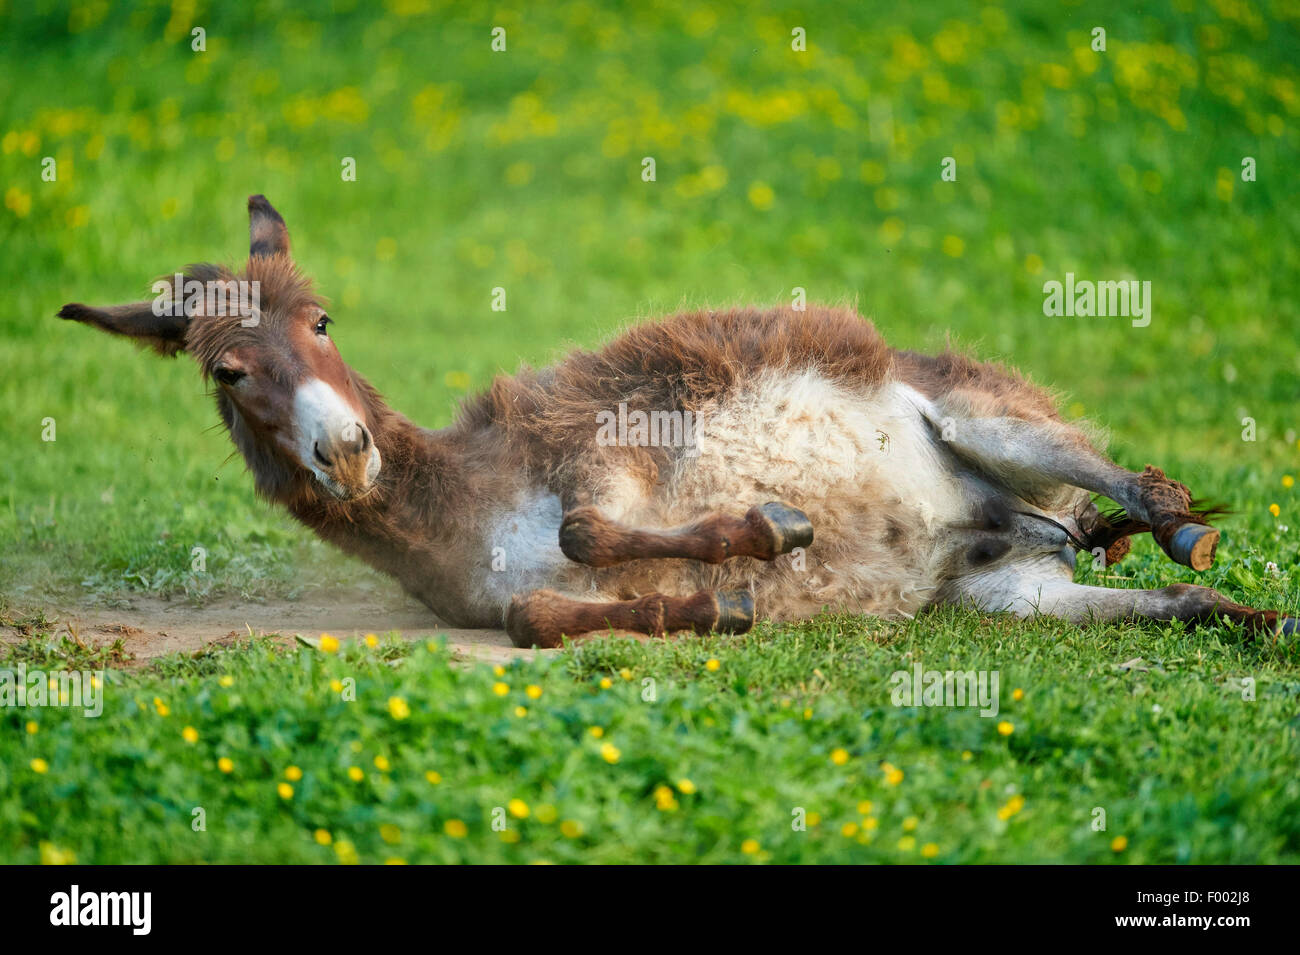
(855,461)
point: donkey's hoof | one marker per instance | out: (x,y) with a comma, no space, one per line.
(1193,545)
(735,611)
(1287,626)
(788,526)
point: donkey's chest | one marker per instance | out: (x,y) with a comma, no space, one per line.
(520,549)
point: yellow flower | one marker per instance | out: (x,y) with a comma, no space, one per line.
(517,808)
(53,855)
(382,764)
(839,756)
(749,846)
(498,670)
(869,823)
(455,828)
(546,813)
(390,833)
(398,708)
(33,727)
(521,711)
(1274,510)
(685,787)
(1005,728)
(508,835)
(849,829)
(865,807)
(906,844)
(226,680)
(500,689)
(226,764)
(372,641)
(761,196)
(346,852)
(39,765)
(534,692)
(910,823)
(606,683)
(967,756)
(394,860)
(664,799)
(433,776)
(328,644)
(336,685)
(1288,480)
(625,673)
(610,753)
(162,708)
(1017,694)
(355,774)
(1119,844)
(712,665)
(571,829)
(596,731)
(893,775)
(322,837)
(293,774)
(929,850)
(285,791)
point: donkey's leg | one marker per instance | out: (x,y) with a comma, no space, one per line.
(1031,456)
(765,531)
(1026,593)
(543,618)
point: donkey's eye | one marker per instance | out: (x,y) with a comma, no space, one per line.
(227,376)
(320,326)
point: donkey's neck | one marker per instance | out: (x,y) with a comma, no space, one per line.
(404,526)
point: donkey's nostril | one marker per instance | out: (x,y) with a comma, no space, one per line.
(320,458)
(365,437)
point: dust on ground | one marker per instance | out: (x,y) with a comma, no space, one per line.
(151,627)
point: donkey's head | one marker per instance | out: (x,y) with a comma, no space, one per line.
(294,409)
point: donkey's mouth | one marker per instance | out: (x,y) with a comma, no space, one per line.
(347,479)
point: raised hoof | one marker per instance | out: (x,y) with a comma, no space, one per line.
(1287,626)
(735,611)
(788,526)
(1193,545)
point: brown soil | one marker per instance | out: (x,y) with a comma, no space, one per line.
(150,627)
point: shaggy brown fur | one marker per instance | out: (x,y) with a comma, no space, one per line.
(433,513)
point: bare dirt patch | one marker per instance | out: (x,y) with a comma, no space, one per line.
(151,627)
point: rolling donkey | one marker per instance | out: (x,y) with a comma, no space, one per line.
(929,480)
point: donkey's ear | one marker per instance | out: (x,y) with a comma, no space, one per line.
(267,234)
(165,333)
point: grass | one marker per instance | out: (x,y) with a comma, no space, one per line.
(774,170)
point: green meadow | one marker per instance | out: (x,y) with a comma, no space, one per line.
(1167,157)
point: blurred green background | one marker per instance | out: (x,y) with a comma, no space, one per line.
(775,169)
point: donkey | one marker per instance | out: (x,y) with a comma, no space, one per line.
(930,480)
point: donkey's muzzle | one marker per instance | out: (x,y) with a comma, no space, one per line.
(346,461)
